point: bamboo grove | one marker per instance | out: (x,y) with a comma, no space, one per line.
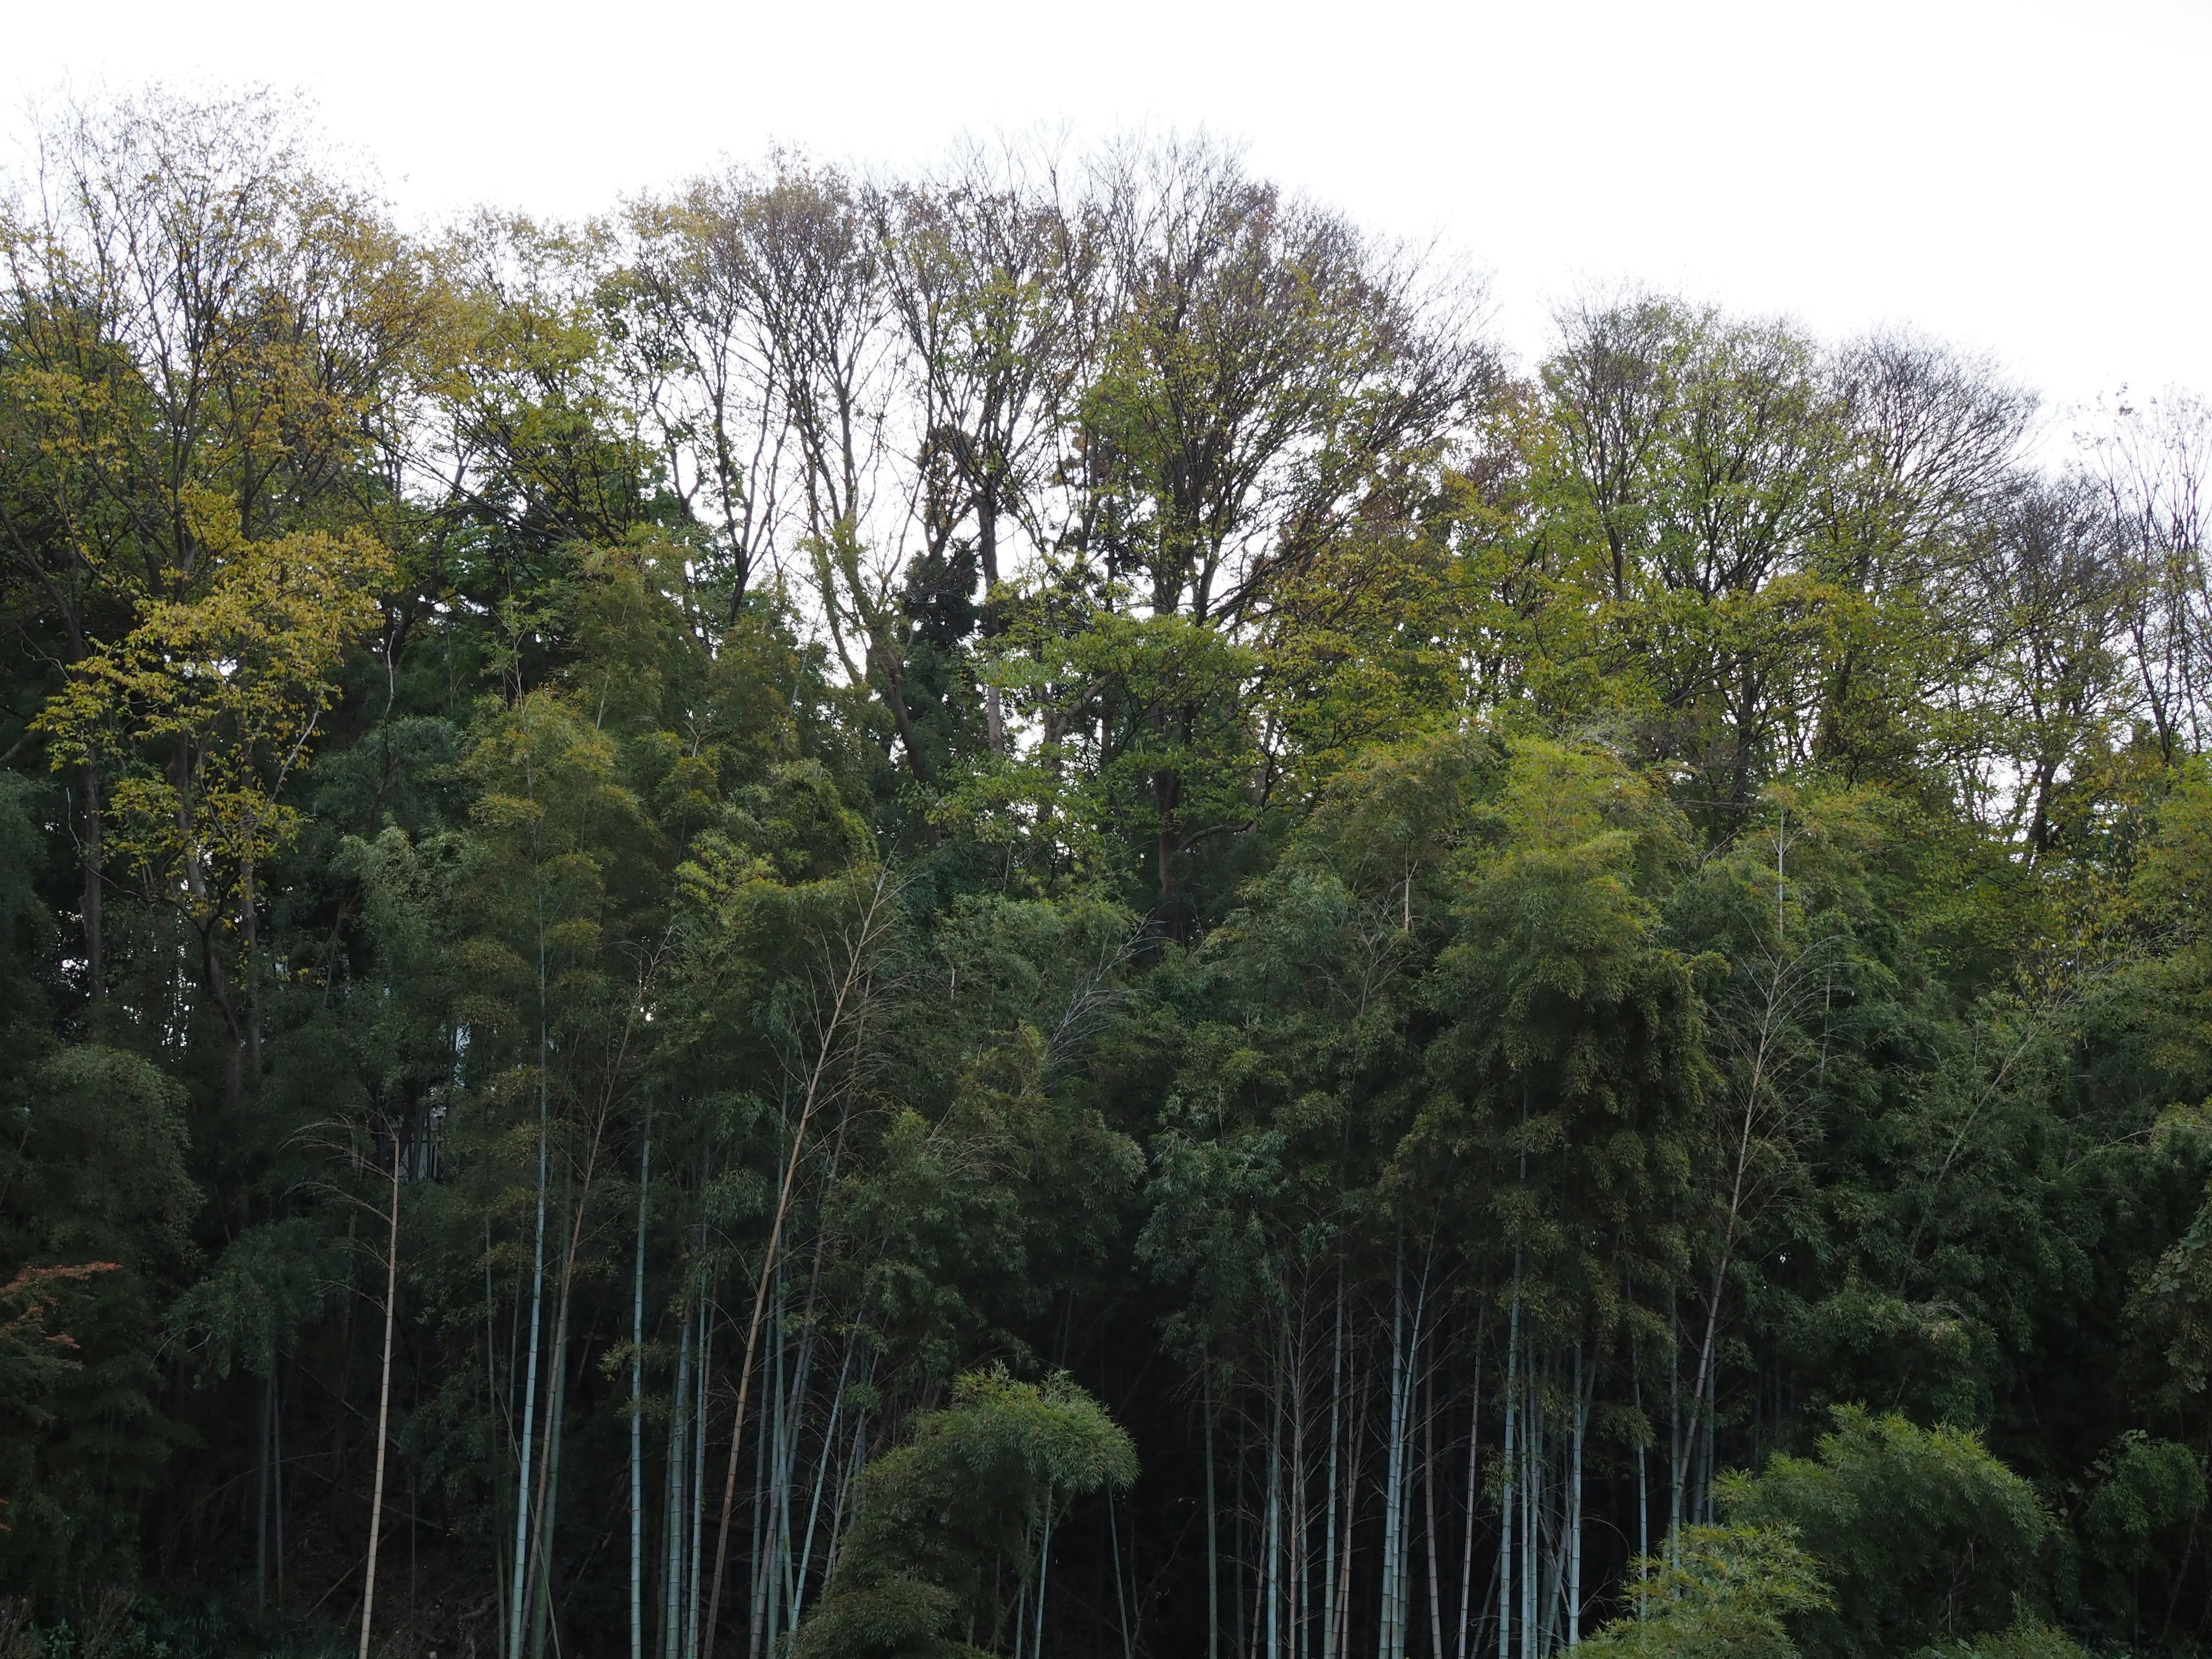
(1015,911)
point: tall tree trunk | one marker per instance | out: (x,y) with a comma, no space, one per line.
(1301,1483)
(678,1423)
(95,942)
(277,1470)
(1676,1469)
(1393,1465)
(1272,1541)
(1429,1492)
(821,1480)
(1212,1530)
(1507,1534)
(847,993)
(1044,1572)
(1335,1429)
(1466,1538)
(249,915)
(519,1591)
(263,1432)
(1532,1507)
(543,1535)
(986,516)
(383,1405)
(1575,1512)
(637,1408)
(1354,1441)
(1643,1483)
(695,1574)
(548,1503)
(1121,1595)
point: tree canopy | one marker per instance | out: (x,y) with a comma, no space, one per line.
(1015,909)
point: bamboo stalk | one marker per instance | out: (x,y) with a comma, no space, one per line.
(383,1408)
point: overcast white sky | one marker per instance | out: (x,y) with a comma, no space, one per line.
(2026,178)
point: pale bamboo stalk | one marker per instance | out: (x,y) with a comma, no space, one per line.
(277,1474)
(1336,1419)
(697,1570)
(541,1534)
(1300,1484)
(1271,1544)
(794,1445)
(1642,1486)
(549,1492)
(383,1407)
(1213,1528)
(520,1586)
(821,1475)
(1508,1532)
(678,1424)
(1531,1511)
(1044,1570)
(1676,1471)
(1120,1598)
(847,989)
(1353,1445)
(757,1607)
(1393,1460)
(1575,1512)
(637,1410)
(264,1431)
(1429,1489)
(1467,1539)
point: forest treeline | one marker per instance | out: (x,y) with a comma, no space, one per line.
(1015,911)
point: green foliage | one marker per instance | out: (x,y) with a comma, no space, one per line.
(1057,765)
(949,1521)
(1723,1593)
(256,1298)
(2030,1639)
(1924,1536)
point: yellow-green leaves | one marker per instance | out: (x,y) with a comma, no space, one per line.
(210,703)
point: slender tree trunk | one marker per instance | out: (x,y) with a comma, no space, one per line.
(1354,1441)
(1676,1469)
(1429,1495)
(637,1408)
(383,1406)
(276,1471)
(1575,1512)
(1121,1597)
(264,1432)
(1467,1540)
(249,915)
(96,943)
(1212,1530)
(1335,1428)
(847,991)
(671,1574)
(1394,1466)
(1643,1483)
(1271,1544)
(1044,1572)
(1301,1488)
(519,1590)
(696,1574)
(1508,1534)
(821,1478)
(544,1536)
(1532,1506)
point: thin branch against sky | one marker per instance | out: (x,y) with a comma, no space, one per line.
(2021,177)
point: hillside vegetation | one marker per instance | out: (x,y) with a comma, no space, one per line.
(1016,912)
